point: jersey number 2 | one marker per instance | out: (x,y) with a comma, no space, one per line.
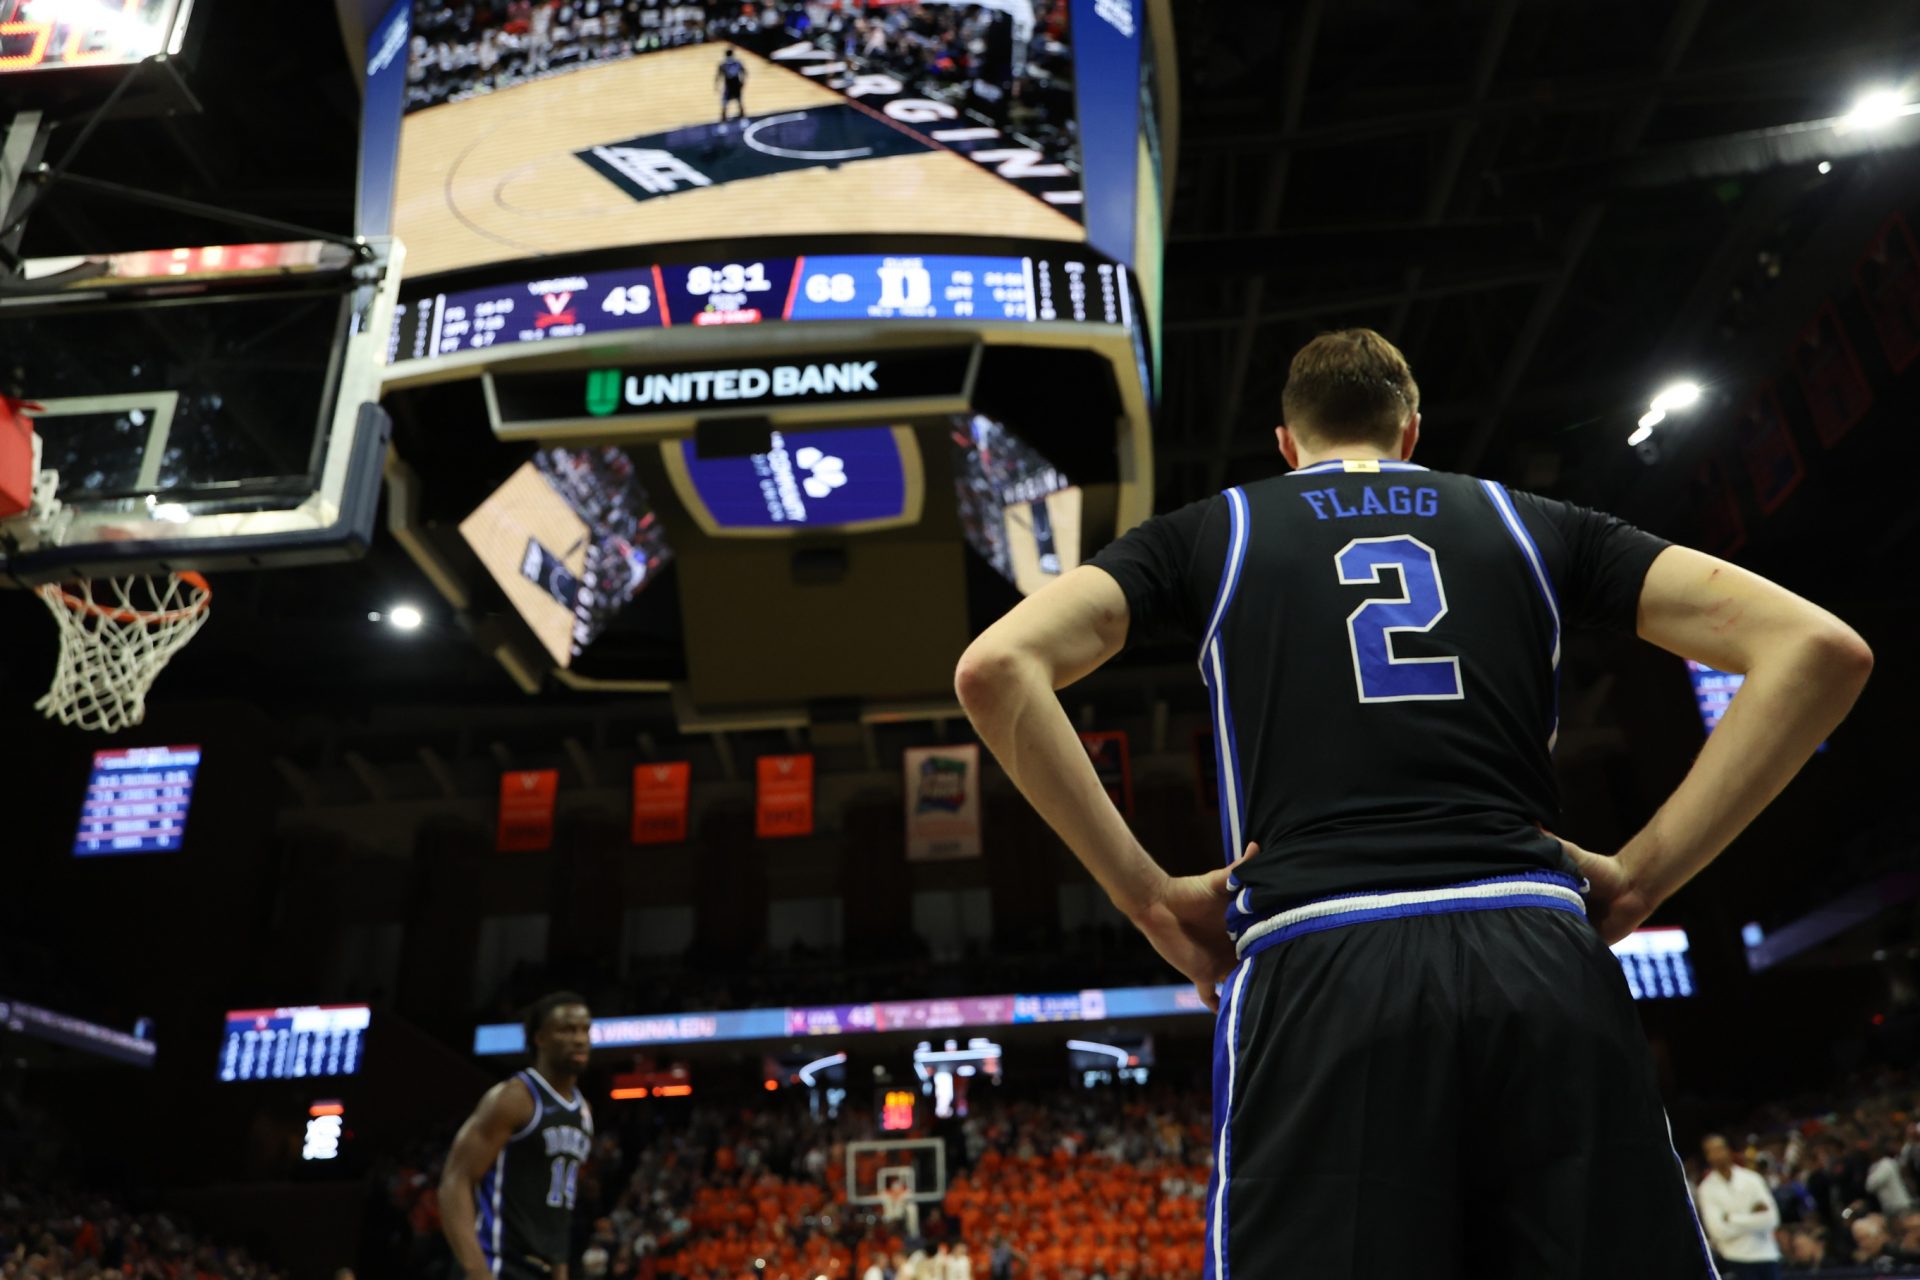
(1422,602)
(566,1178)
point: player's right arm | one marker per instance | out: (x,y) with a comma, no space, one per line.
(506,1109)
(1804,668)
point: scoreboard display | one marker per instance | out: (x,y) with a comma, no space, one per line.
(47,35)
(137,801)
(294,1043)
(1657,963)
(761,291)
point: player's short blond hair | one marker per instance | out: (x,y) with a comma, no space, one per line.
(1350,386)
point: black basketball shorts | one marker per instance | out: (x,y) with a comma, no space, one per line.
(1451,1084)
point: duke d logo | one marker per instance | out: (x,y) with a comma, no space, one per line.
(603,392)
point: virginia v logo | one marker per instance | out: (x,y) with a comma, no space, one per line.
(603,392)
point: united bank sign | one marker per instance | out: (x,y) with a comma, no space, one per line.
(930,379)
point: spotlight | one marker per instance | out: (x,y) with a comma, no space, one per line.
(1874,110)
(405,617)
(1677,395)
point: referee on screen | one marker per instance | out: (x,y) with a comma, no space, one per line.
(1426,1060)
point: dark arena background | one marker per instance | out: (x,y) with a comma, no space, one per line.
(596,474)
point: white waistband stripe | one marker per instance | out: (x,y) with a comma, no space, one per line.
(1380,902)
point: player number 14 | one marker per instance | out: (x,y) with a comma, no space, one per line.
(566,1180)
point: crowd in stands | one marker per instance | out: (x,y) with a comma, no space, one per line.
(1844,1180)
(960,53)
(47,1235)
(1068,1186)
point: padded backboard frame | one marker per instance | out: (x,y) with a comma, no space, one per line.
(155,533)
(893,1155)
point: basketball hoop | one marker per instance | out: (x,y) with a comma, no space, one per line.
(116,636)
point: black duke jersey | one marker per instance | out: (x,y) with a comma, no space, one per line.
(525,1202)
(1381,647)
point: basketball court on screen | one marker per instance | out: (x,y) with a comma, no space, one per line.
(502,175)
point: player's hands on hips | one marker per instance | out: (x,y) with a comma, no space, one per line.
(1615,905)
(1187,925)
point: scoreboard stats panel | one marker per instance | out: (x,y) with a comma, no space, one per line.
(1656,963)
(294,1043)
(137,801)
(761,291)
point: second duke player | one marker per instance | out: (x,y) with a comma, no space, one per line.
(506,1198)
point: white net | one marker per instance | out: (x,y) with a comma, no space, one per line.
(116,635)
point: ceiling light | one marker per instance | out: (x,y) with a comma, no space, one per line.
(1826,167)
(405,617)
(1678,395)
(1644,434)
(1652,418)
(1874,109)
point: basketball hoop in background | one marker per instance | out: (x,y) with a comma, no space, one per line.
(116,636)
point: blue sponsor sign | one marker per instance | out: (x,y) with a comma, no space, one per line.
(834,477)
(385,102)
(1106,48)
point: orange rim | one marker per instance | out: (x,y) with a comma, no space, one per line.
(147,617)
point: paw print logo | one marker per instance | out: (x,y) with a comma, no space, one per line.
(826,472)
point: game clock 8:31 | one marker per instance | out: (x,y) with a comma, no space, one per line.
(43,35)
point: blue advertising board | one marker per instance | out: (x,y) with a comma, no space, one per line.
(1106,37)
(835,477)
(381,109)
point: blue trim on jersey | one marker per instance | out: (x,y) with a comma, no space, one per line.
(1510,517)
(1339,464)
(483,1222)
(1519,897)
(1213,671)
(1226,1051)
(539,1107)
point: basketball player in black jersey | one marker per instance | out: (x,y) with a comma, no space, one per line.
(1426,1060)
(731,76)
(506,1198)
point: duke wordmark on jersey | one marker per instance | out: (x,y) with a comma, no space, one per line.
(576,1144)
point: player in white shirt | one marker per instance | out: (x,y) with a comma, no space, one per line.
(1739,1214)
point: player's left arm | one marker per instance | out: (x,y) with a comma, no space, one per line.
(1006,681)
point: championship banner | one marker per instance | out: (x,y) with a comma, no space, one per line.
(785,797)
(526,809)
(943,802)
(1113,762)
(660,802)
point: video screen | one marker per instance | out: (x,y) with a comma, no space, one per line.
(1714,691)
(137,801)
(553,126)
(1656,964)
(571,539)
(294,1043)
(947,1071)
(1015,509)
(858,478)
(1115,1060)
